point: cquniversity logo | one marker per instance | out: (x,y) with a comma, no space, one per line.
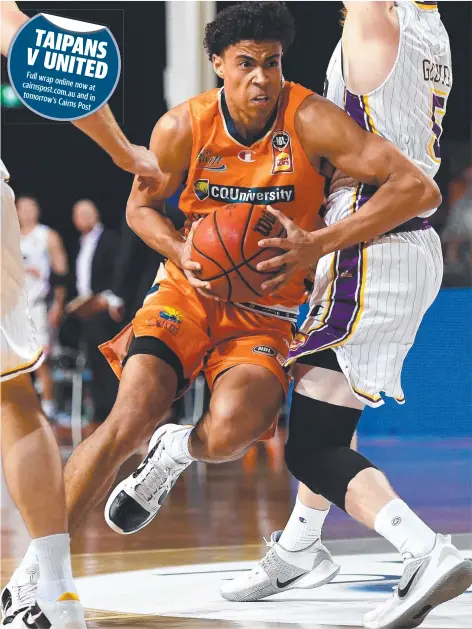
(63,69)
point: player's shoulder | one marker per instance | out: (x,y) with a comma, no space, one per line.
(313,108)
(176,119)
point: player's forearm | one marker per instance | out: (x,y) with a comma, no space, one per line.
(395,202)
(156,231)
(103,129)
(59,296)
(12,19)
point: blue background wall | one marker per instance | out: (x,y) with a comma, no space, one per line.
(437,376)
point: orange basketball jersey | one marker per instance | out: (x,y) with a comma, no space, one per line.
(274,170)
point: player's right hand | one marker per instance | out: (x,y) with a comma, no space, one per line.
(191,268)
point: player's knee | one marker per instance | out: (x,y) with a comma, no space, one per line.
(319,446)
(231,432)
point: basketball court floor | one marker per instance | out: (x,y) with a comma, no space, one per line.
(211,528)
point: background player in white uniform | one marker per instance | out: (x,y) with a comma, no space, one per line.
(392,73)
(26,436)
(45,262)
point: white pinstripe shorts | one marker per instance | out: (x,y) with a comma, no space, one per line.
(19,348)
(367,305)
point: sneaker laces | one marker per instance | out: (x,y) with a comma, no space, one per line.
(157,476)
(25,594)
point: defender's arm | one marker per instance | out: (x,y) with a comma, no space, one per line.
(404,191)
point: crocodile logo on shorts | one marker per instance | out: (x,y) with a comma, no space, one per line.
(168,319)
(171,314)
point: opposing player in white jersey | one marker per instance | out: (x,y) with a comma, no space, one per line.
(391,72)
(46,268)
(27,439)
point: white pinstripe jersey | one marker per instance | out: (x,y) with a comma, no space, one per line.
(408,107)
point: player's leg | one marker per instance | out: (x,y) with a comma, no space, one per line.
(310,511)
(147,389)
(308,516)
(244,404)
(248,388)
(171,328)
(298,549)
(434,570)
(26,437)
(38,492)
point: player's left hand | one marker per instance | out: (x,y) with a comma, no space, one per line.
(302,252)
(191,268)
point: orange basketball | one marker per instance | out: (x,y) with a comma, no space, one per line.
(226,245)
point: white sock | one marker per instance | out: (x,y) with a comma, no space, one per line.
(177,445)
(303,528)
(28,570)
(404,529)
(54,566)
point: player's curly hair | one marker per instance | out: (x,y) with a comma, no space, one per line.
(251,20)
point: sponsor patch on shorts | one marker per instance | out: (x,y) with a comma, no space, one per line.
(265,350)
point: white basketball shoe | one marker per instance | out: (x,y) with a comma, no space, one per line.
(65,613)
(21,609)
(135,501)
(282,570)
(427,582)
(19,595)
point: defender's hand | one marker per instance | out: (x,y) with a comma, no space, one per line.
(191,269)
(140,161)
(302,250)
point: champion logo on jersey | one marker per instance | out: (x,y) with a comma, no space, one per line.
(247,156)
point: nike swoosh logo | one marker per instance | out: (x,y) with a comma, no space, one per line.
(35,619)
(289,582)
(220,169)
(402,592)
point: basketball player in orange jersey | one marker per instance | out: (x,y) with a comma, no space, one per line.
(31,461)
(226,146)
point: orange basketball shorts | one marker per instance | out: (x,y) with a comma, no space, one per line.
(203,334)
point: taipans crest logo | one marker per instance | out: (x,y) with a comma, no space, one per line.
(171,314)
(211,161)
(282,158)
(247,156)
(201,188)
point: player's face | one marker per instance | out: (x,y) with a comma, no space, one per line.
(252,74)
(28,212)
(85,216)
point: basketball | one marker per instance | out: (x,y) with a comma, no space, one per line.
(225,244)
